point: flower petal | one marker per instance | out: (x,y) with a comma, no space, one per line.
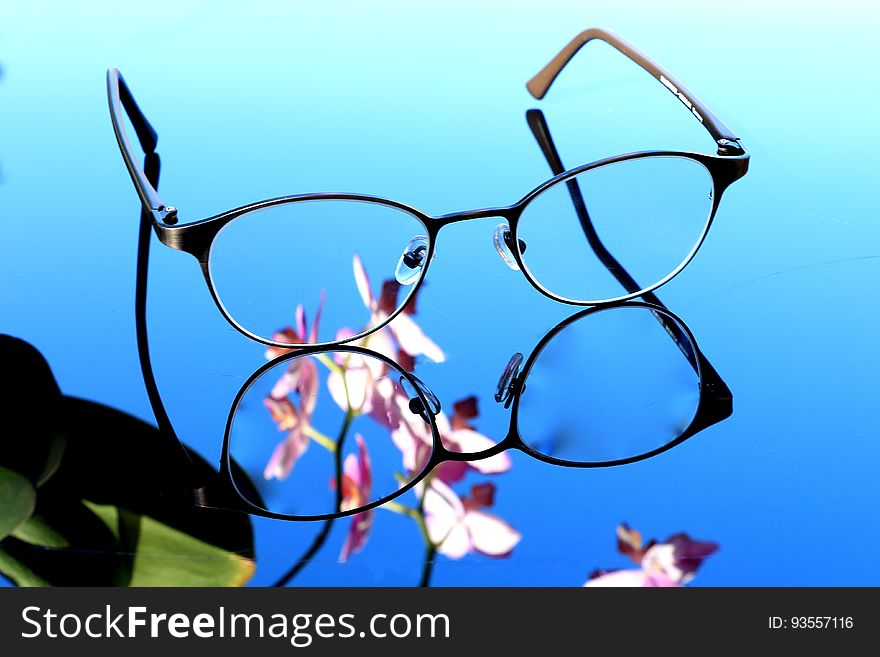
(413,340)
(344,334)
(287,335)
(301,320)
(628,578)
(385,404)
(441,501)
(416,452)
(358,532)
(678,558)
(307,387)
(629,543)
(454,542)
(363,283)
(284,414)
(382,343)
(482,495)
(387,303)
(490,534)
(469,441)
(357,478)
(451,472)
(352,391)
(313,334)
(463,411)
(365,467)
(285,456)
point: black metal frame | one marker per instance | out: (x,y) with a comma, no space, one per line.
(196,238)
(715,404)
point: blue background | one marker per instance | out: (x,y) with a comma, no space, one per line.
(426,104)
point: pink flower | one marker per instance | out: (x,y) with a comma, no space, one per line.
(288,418)
(458,526)
(673,562)
(413,437)
(300,380)
(362,385)
(678,557)
(630,578)
(412,340)
(357,485)
(299,335)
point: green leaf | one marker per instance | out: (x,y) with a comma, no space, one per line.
(17,501)
(115,459)
(54,455)
(168,557)
(18,572)
(36,530)
(31,399)
(91,556)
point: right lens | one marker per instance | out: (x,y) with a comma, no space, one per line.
(614,384)
(640,217)
(266,263)
(313,420)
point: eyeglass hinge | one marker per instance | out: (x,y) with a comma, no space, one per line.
(166,214)
(730,147)
(200,497)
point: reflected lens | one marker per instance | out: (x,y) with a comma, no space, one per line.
(641,217)
(313,421)
(267,263)
(615,384)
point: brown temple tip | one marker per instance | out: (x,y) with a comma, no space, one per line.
(538,86)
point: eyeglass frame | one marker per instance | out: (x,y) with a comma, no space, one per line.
(196,238)
(715,405)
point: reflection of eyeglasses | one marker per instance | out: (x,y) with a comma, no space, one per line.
(651,209)
(327,432)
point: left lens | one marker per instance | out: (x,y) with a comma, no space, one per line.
(354,262)
(328,432)
(615,384)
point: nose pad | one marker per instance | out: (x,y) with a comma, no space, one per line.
(416,406)
(507,383)
(412,260)
(503,241)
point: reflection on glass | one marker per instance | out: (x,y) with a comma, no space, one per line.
(606,386)
(316,419)
(610,386)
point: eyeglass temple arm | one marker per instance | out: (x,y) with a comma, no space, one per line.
(541,131)
(120,99)
(698,361)
(725,138)
(178,457)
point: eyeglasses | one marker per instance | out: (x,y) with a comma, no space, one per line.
(322,433)
(603,232)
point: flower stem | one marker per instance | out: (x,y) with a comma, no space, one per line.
(402,509)
(335,448)
(428,566)
(430,546)
(323,440)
